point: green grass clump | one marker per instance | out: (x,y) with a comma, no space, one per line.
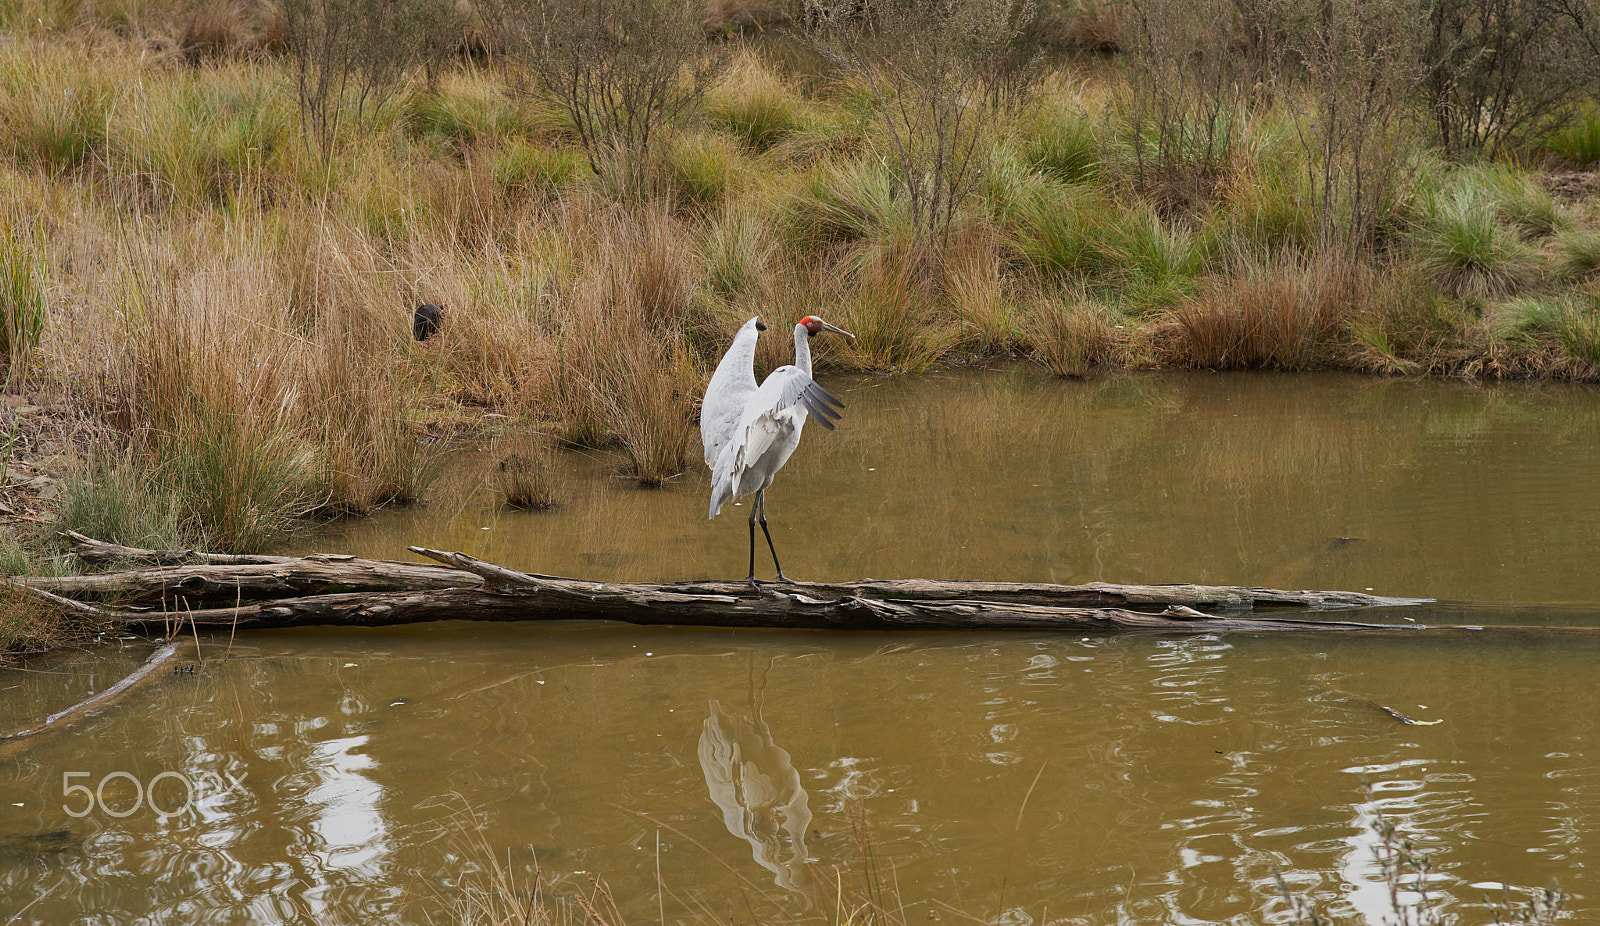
(1159,262)
(1570,320)
(525,168)
(1407,326)
(113,498)
(1580,252)
(842,203)
(1063,232)
(202,141)
(752,104)
(700,169)
(739,252)
(1520,201)
(52,107)
(1468,252)
(1062,146)
(1579,140)
(1268,208)
(23,312)
(238,485)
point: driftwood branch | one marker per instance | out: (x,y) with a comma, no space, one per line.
(100,553)
(149,672)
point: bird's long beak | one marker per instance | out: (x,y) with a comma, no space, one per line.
(836,330)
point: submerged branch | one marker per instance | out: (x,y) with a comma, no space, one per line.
(147,673)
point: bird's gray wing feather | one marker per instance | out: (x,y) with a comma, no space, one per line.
(789,386)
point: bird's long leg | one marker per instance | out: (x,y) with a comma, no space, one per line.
(755,506)
(761,506)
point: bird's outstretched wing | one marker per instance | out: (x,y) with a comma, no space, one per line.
(768,432)
(789,386)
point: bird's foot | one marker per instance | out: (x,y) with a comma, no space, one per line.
(785,579)
(753,583)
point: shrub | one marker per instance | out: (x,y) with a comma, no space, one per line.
(939,78)
(622,71)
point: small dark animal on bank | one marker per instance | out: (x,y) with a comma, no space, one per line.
(425,321)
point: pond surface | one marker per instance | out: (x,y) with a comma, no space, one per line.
(327,776)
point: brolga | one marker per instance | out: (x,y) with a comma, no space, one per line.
(750,430)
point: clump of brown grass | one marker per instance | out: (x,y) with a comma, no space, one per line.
(1070,333)
(975,290)
(1281,313)
(887,308)
(212,29)
(625,325)
(525,475)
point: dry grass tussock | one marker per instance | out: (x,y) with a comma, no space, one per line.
(626,328)
(1282,313)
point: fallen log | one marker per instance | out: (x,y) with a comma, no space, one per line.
(317,574)
(325,589)
(203,578)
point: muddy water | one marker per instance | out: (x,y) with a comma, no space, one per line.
(344,777)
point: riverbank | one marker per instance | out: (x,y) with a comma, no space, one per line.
(210,280)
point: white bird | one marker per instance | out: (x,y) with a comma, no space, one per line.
(749,431)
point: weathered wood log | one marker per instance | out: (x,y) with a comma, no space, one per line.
(317,574)
(661,605)
(100,553)
(478,590)
(324,589)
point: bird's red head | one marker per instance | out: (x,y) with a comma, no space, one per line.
(812,324)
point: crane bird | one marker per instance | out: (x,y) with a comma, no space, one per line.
(749,431)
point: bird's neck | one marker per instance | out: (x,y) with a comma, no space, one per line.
(802,349)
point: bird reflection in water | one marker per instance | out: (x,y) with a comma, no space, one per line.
(758,789)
